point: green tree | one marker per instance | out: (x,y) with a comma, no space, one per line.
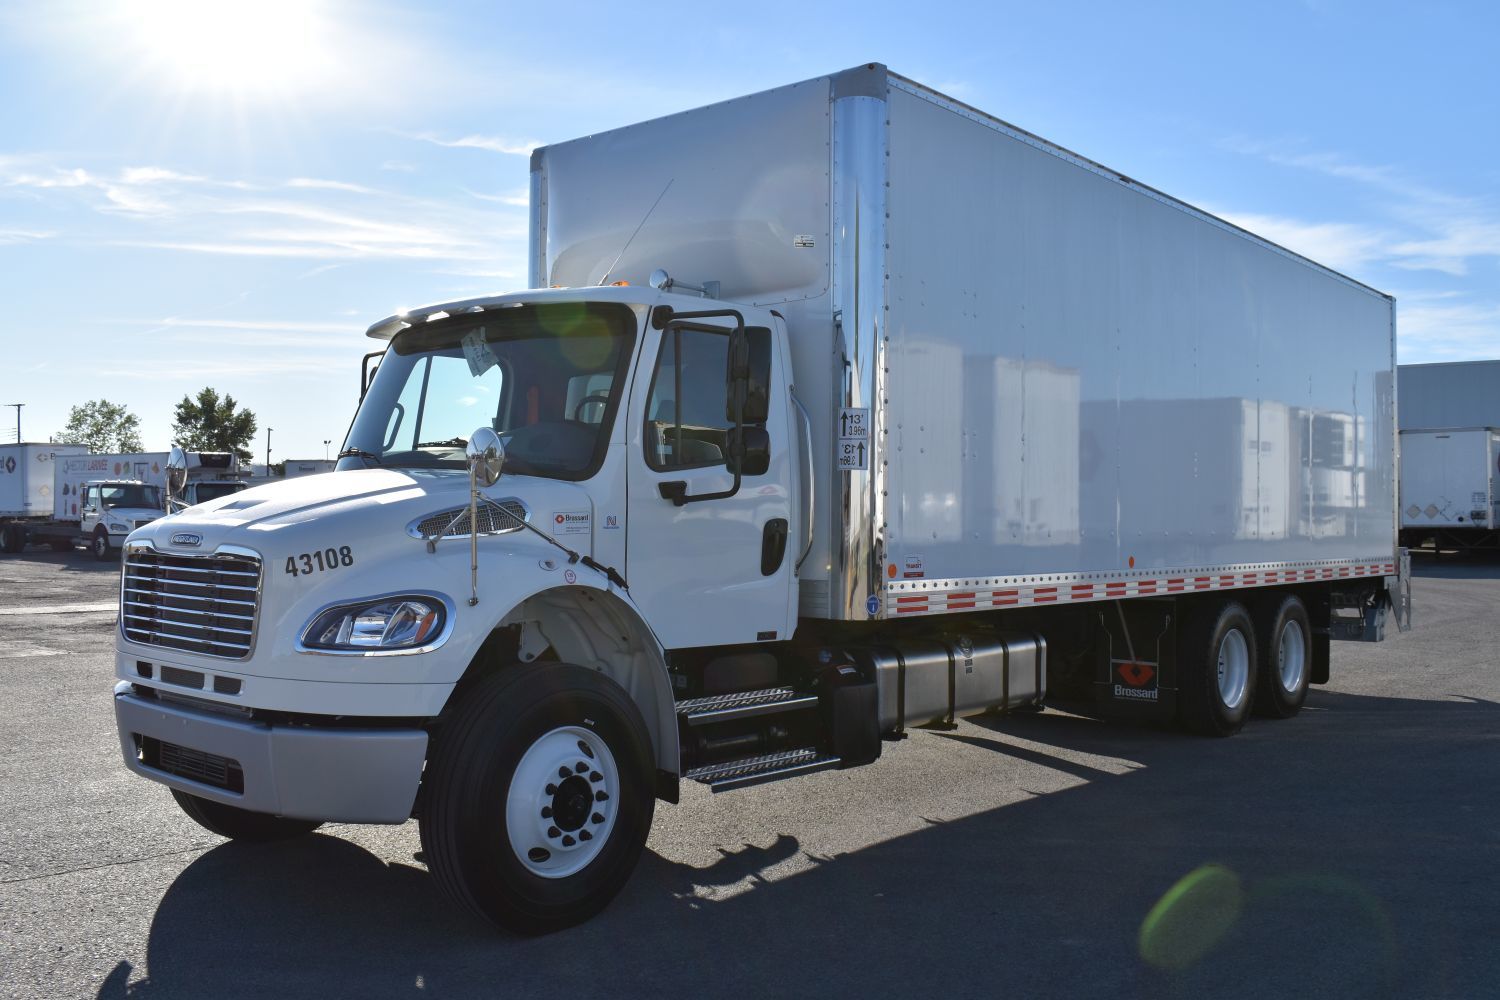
(102,426)
(209,423)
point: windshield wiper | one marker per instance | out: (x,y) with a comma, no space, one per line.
(450,443)
(368,456)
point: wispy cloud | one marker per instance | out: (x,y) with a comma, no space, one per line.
(316,184)
(1426,229)
(1343,246)
(1446,327)
(10,236)
(520,199)
(492,143)
(297,218)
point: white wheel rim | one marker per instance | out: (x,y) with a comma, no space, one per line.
(1234,668)
(561,805)
(1291,657)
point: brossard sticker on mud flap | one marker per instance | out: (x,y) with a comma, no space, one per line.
(571,522)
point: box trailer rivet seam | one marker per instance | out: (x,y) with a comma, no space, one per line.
(932,419)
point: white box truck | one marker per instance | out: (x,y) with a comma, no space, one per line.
(76,498)
(1450,488)
(833,411)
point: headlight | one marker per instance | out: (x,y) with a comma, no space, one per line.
(116,526)
(393,623)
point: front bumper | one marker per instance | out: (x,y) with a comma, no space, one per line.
(304,772)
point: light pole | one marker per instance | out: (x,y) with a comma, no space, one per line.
(326,443)
(268,451)
(18,406)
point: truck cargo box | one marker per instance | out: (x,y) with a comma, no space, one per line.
(1449,394)
(1450,478)
(26,477)
(1062,381)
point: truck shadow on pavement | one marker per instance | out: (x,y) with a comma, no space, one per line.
(1352,851)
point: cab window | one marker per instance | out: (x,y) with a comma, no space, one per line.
(686,423)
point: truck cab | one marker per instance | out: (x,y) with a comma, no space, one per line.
(111,509)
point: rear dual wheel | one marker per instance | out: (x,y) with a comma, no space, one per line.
(1217,658)
(12,538)
(1284,636)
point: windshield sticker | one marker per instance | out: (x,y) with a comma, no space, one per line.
(477,352)
(571,522)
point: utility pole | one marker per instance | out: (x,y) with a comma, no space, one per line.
(268,451)
(18,406)
(326,443)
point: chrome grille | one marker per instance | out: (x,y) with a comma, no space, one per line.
(198,604)
(495,517)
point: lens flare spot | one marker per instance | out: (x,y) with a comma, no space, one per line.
(1192,917)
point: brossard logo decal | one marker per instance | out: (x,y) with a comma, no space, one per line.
(1134,680)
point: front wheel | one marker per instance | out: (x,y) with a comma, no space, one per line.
(99,545)
(241,824)
(538,797)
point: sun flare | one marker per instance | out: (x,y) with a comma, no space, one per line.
(243,48)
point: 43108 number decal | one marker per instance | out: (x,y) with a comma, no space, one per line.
(319,561)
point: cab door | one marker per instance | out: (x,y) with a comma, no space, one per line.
(718,571)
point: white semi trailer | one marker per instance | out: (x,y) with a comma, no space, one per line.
(1450,488)
(832,411)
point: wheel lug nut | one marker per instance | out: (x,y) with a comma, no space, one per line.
(585,835)
(569,841)
(551,789)
(580,767)
(601,796)
(563,772)
(596,777)
(546,812)
(553,831)
(597,817)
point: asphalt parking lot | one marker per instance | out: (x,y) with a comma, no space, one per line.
(1353,851)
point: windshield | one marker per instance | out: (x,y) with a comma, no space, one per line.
(129,495)
(547,378)
(204,492)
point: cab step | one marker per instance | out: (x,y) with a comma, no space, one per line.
(731,774)
(743,705)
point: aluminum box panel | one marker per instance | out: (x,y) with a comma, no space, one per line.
(1088,378)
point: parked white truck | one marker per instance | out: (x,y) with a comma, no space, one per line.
(1450,488)
(832,411)
(62,496)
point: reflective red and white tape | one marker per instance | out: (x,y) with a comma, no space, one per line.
(942,597)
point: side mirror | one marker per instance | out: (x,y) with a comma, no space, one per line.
(749,451)
(486,456)
(746,399)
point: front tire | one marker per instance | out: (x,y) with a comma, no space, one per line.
(1284,637)
(241,824)
(99,545)
(1217,666)
(538,797)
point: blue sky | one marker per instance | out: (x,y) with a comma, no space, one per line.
(227,194)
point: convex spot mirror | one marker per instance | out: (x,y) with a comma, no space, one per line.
(176,470)
(486,456)
(749,451)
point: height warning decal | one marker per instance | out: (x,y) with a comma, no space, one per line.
(854,438)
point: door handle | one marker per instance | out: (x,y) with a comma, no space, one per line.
(773,545)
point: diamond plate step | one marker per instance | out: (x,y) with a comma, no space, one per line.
(743,705)
(748,771)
